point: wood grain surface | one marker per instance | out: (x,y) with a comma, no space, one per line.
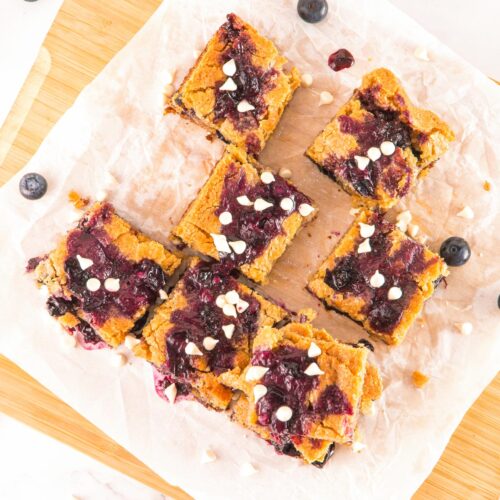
(84,37)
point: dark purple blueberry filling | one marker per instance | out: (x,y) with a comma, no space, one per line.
(256,229)
(365,343)
(252,82)
(352,273)
(391,172)
(140,282)
(33,263)
(288,385)
(203,318)
(341,59)
(58,306)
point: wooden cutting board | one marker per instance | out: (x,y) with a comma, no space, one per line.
(84,37)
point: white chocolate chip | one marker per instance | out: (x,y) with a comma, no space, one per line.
(110,180)
(131,342)
(171,393)
(232,297)
(325,98)
(259,391)
(220,242)
(394,293)
(247,469)
(313,351)
(255,373)
(403,219)
(284,413)
(101,195)
(387,148)
(267,177)
(68,340)
(286,204)
(464,328)
(421,53)
(225,218)
(244,106)
(413,230)
(208,456)
(305,209)
(84,263)
(168,77)
(163,294)
(242,306)
(238,246)
(365,246)
(220,301)
(118,359)
(229,85)
(228,330)
(361,161)
(377,280)
(313,369)
(196,53)
(93,284)
(112,284)
(261,204)
(229,67)
(306,80)
(358,446)
(366,230)
(354,211)
(229,310)
(209,343)
(192,349)
(466,213)
(244,200)
(285,172)
(374,154)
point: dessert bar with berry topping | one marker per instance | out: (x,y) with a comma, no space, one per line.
(103,278)
(379,277)
(203,330)
(238,88)
(303,391)
(379,143)
(244,215)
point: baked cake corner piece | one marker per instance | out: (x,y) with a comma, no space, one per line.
(239,86)
(378,276)
(204,330)
(244,215)
(379,144)
(103,277)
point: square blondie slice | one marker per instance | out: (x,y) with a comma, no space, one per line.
(379,277)
(205,329)
(103,278)
(379,143)
(238,88)
(301,383)
(244,215)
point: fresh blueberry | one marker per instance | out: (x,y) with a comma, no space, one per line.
(498,302)
(33,186)
(312,11)
(455,251)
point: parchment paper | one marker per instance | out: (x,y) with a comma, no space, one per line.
(117,126)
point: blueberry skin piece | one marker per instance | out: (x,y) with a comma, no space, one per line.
(455,251)
(33,186)
(312,11)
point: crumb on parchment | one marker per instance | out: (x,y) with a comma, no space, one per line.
(77,201)
(419,379)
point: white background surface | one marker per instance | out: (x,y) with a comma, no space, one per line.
(34,466)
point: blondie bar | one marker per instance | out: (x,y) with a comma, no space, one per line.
(238,88)
(103,277)
(244,215)
(379,143)
(379,277)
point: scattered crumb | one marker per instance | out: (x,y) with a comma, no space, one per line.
(306,315)
(358,446)
(208,456)
(464,328)
(486,186)
(419,379)
(466,213)
(77,201)
(169,90)
(247,469)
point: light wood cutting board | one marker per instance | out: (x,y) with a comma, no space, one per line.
(84,37)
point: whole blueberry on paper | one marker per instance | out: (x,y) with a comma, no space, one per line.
(455,251)
(33,186)
(312,11)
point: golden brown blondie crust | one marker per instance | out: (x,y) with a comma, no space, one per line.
(379,277)
(192,314)
(265,233)
(104,246)
(258,78)
(379,143)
